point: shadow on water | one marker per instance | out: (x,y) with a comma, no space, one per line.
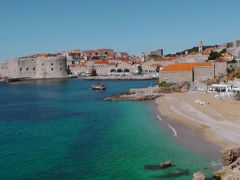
(155,167)
(40,82)
(182,172)
(26,113)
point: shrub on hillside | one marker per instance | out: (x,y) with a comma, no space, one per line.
(163,84)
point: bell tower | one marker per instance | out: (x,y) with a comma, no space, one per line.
(200,47)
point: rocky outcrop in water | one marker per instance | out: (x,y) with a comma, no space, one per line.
(166,164)
(150,93)
(140,94)
(163,165)
(134,97)
(230,155)
(230,158)
(199,176)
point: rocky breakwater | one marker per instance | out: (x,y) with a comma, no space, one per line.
(142,94)
(150,93)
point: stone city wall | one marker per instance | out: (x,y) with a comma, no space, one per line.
(34,68)
(192,58)
(220,68)
(163,63)
(4,69)
(51,67)
(175,76)
(203,73)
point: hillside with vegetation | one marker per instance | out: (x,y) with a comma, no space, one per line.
(191,50)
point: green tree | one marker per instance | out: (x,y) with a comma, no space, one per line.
(214,55)
(223,51)
(238,75)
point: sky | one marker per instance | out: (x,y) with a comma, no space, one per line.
(37,26)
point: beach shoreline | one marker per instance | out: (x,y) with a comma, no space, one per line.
(185,136)
(217,120)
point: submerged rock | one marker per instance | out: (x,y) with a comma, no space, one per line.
(166,164)
(175,175)
(198,176)
(152,167)
(163,165)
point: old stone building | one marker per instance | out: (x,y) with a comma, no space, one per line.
(232,47)
(192,72)
(103,68)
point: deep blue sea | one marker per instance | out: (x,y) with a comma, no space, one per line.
(61,129)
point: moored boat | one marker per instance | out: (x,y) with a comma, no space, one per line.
(100,86)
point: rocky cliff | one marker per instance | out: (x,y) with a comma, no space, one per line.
(230,158)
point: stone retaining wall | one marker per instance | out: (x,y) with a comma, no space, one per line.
(175,76)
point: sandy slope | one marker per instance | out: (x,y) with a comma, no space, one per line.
(218,122)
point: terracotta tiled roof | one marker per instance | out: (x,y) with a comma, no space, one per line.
(72,65)
(125,59)
(138,62)
(101,62)
(83,63)
(113,63)
(76,51)
(165,59)
(206,52)
(105,49)
(193,53)
(185,66)
(227,54)
(211,49)
(91,51)
(42,55)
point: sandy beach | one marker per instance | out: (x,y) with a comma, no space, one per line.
(217,120)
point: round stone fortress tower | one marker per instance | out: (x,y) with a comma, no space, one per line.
(51,67)
(34,68)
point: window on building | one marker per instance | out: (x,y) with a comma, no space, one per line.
(52,64)
(20,69)
(60,64)
(60,69)
(34,69)
(52,69)
(27,69)
(42,64)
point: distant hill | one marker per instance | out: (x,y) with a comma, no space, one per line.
(194,49)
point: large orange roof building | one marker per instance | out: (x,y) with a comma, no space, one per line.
(185,66)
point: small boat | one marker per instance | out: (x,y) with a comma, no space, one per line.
(100,86)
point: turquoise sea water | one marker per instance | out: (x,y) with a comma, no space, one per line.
(64,130)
